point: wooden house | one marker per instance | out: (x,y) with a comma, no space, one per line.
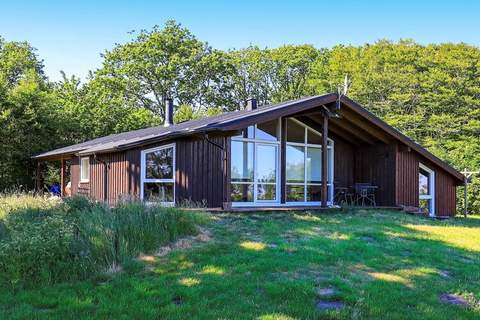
(293,154)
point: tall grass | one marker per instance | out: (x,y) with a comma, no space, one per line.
(44,241)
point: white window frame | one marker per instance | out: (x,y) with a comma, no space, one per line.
(255,183)
(82,169)
(144,180)
(431,195)
(330,168)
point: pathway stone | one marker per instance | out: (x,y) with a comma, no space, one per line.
(323,292)
(453,299)
(330,305)
(406,253)
(444,273)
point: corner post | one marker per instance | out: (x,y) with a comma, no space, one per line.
(465,196)
(283,160)
(62,177)
(324,160)
(38,182)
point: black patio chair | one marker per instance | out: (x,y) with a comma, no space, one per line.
(365,193)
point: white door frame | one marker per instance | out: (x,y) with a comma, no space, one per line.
(431,195)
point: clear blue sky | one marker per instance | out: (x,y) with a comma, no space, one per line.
(70,35)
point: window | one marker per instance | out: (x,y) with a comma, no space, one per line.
(426,189)
(158,174)
(304,164)
(255,161)
(84,169)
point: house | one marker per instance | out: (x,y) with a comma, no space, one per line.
(271,156)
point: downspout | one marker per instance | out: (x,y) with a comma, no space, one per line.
(106,166)
(205,136)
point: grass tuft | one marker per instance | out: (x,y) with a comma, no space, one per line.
(45,241)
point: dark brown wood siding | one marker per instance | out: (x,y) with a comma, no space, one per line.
(75,175)
(343,163)
(445,193)
(376,164)
(200,171)
(118,177)
(79,188)
(199,175)
(407,183)
(407,178)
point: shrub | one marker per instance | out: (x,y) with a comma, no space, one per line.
(44,244)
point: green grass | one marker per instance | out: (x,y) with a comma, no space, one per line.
(383,265)
(44,241)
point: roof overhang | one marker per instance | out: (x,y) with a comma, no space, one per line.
(238,120)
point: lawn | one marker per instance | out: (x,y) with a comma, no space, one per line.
(377,265)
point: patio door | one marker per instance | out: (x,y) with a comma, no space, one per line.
(426,189)
(255,162)
(266,173)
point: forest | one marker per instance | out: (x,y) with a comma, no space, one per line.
(430,92)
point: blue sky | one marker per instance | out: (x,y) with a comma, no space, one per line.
(70,35)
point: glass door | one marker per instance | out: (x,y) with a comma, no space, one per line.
(266,171)
(426,189)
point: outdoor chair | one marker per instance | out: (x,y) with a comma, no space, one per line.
(365,194)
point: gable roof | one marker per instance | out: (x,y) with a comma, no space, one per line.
(234,121)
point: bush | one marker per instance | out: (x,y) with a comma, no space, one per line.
(45,244)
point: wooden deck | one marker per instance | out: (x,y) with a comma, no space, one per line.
(287,208)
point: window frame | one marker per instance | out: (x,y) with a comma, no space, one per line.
(82,159)
(431,196)
(256,142)
(144,179)
(330,166)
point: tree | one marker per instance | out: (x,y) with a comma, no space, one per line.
(27,121)
(165,63)
(271,75)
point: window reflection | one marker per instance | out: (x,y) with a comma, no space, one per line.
(423,182)
(159,164)
(242,161)
(295,164)
(314,165)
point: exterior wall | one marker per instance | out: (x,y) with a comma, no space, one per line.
(376,164)
(407,184)
(117,177)
(199,172)
(82,189)
(202,174)
(445,194)
(407,179)
(343,163)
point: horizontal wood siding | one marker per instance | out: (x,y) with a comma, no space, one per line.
(376,164)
